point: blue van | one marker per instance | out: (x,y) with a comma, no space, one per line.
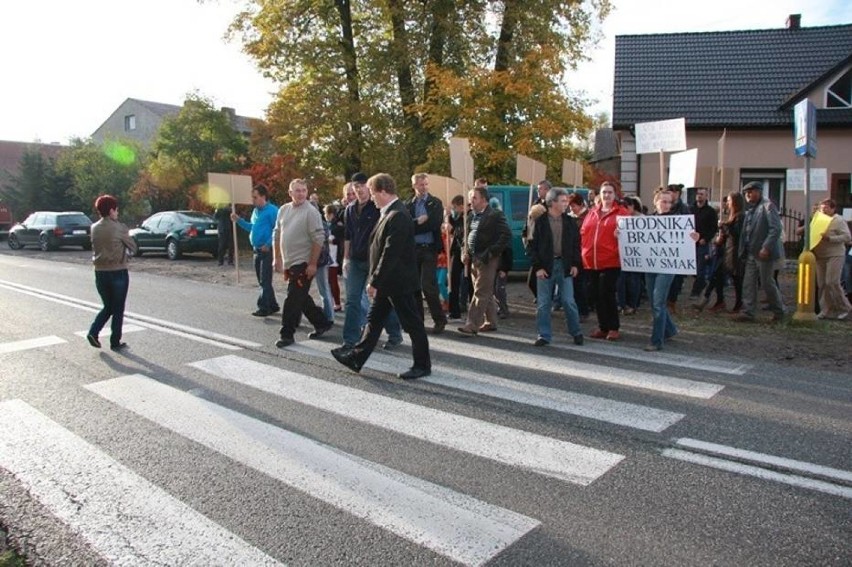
(514,200)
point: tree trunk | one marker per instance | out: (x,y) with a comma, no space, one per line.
(350,65)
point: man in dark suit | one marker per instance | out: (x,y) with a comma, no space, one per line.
(394,282)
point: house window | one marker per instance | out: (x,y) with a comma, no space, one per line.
(129,122)
(839,94)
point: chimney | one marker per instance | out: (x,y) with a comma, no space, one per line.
(794,21)
(231,114)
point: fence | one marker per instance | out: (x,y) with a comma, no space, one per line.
(790,221)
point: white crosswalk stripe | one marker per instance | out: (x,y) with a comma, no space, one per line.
(27,344)
(559,459)
(124,517)
(572,368)
(449,523)
(593,407)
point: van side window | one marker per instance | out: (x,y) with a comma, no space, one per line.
(520,206)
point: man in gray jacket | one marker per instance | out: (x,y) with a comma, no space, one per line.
(759,247)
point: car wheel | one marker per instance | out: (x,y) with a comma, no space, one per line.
(173,249)
(44,243)
(14,243)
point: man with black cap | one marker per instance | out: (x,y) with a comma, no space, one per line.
(759,247)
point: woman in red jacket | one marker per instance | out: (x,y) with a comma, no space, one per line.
(601,259)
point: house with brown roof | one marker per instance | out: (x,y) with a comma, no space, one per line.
(140,119)
(744,84)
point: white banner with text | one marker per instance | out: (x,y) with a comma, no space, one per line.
(659,244)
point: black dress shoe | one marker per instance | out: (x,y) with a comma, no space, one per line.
(283,343)
(320,331)
(118,347)
(414,372)
(439,326)
(275,309)
(391,344)
(578,340)
(346,357)
(93,340)
(541,342)
(261,313)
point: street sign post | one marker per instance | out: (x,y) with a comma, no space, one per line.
(804,136)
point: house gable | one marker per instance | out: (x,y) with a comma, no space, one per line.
(726,79)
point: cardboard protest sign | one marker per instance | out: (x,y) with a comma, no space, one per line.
(819,224)
(682,168)
(445,188)
(225,188)
(461,164)
(572,173)
(662,136)
(529,170)
(659,244)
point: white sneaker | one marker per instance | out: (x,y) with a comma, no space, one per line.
(843,316)
(821,315)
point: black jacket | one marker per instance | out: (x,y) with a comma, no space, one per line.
(540,246)
(492,236)
(706,221)
(435,210)
(392,269)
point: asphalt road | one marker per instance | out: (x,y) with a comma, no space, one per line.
(203,444)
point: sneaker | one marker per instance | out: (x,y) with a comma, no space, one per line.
(613,336)
(539,342)
(598,334)
(843,316)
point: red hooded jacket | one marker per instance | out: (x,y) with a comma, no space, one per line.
(597,238)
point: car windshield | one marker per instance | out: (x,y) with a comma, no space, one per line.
(196,217)
(74,220)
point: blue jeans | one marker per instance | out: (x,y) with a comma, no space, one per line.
(263,269)
(629,288)
(544,301)
(658,290)
(355,315)
(112,287)
(325,292)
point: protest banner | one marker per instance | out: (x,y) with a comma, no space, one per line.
(572,173)
(659,244)
(445,188)
(461,164)
(682,168)
(662,136)
(225,188)
(819,224)
(529,170)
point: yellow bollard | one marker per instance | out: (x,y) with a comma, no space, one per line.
(805,291)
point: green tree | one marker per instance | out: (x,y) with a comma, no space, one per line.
(200,139)
(95,169)
(381,84)
(39,186)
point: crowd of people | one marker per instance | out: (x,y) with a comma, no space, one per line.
(394,256)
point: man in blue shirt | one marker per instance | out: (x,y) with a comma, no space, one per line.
(427,211)
(260,235)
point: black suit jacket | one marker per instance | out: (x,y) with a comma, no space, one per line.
(393,270)
(540,246)
(435,210)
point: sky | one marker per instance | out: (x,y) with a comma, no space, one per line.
(68,64)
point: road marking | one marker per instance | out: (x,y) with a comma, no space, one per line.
(572,368)
(739,468)
(168,327)
(124,517)
(593,407)
(449,523)
(559,459)
(106,332)
(763,458)
(27,344)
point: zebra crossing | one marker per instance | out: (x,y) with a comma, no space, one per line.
(129,520)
